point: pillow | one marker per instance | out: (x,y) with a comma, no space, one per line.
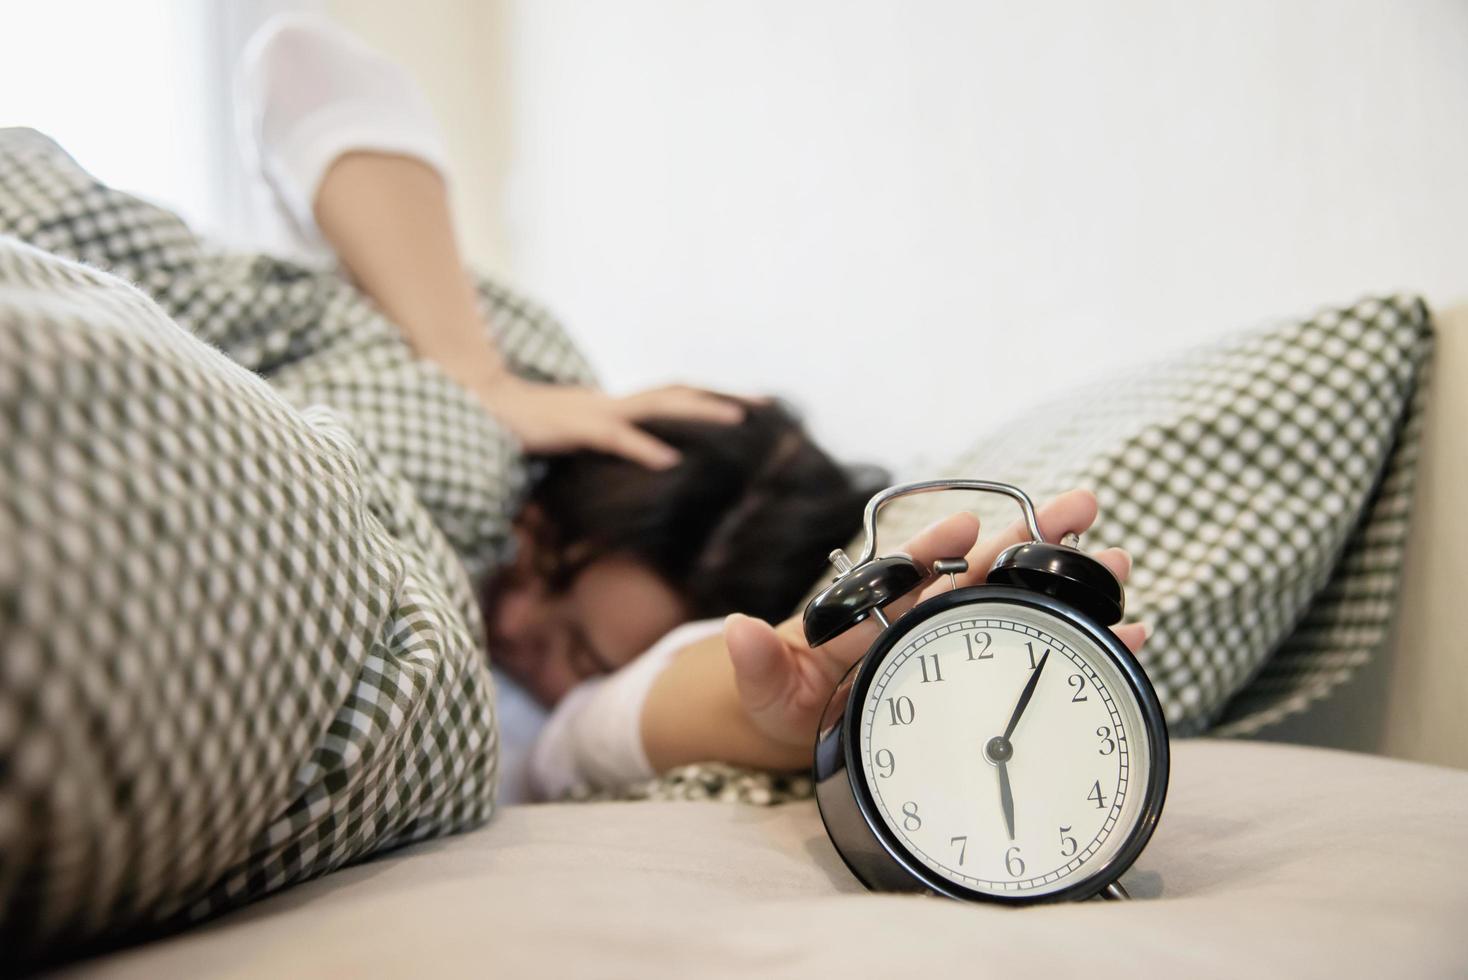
(237,651)
(1262,485)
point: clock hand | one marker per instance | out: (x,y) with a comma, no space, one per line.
(1024,698)
(1000,749)
(1006,798)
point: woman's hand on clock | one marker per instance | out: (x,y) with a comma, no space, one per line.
(1072,512)
(784,684)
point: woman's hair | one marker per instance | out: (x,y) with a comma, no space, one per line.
(742,523)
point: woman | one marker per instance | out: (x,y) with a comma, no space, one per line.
(722,507)
(245,526)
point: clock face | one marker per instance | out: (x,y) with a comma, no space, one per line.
(1024,816)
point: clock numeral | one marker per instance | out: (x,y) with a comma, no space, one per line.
(1095,795)
(962,843)
(910,818)
(1034,660)
(1108,744)
(1013,863)
(1069,842)
(1079,683)
(901,710)
(937,674)
(978,646)
(888,763)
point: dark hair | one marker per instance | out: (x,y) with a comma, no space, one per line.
(742,523)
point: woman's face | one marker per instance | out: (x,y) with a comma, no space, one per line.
(614,609)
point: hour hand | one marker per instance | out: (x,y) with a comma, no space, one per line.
(999,750)
(1006,798)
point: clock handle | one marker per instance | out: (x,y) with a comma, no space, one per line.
(1061,570)
(869,517)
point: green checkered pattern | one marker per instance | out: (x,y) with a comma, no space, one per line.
(1262,485)
(241,641)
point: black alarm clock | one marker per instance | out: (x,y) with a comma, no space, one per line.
(997,743)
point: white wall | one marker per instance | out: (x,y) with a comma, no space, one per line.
(456,51)
(972,205)
(126,89)
(975,204)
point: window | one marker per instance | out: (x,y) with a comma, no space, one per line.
(141,94)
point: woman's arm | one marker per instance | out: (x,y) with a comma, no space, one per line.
(693,713)
(387,217)
(754,695)
(349,144)
(388,220)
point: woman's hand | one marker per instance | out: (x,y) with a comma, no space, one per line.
(550,418)
(387,217)
(784,684)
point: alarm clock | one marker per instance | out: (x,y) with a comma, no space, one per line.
(997,743)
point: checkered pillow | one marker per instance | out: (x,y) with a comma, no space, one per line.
(1262,485)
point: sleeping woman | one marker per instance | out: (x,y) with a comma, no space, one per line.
(666,531)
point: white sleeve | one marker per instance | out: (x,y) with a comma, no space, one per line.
(593,739)
(312,92)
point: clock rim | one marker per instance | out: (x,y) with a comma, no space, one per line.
(1154,796)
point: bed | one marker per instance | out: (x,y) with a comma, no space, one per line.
(357,722)
(1270,860)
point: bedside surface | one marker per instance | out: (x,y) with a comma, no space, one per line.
(1269,860)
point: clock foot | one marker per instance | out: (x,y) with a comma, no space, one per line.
(1115,892)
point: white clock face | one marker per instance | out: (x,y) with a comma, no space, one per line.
(934,758)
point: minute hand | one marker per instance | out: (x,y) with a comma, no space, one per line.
(1024,698)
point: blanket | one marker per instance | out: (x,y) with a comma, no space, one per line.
(242,529)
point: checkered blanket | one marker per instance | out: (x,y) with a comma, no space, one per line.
(241,643)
